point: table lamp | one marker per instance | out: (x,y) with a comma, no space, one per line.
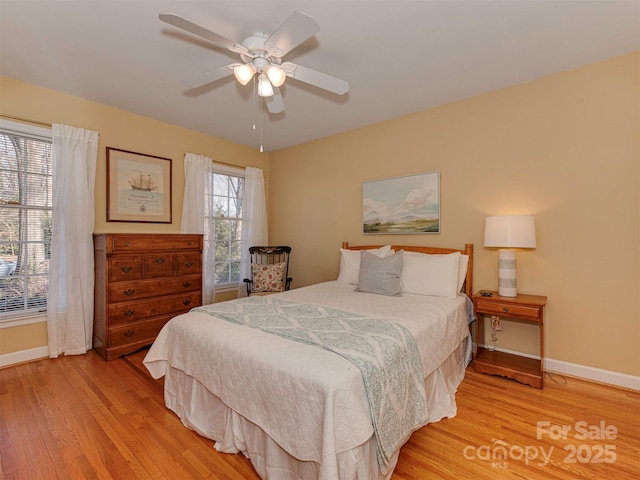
(508,232)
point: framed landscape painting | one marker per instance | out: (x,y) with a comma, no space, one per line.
(138,187)
(408,204)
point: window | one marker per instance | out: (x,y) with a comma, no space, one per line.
(223,217)
(26,186)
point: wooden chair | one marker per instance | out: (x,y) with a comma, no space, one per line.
(269,270)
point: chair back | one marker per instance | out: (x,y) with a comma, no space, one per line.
(268,255)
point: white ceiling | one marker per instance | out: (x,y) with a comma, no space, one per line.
(398,56)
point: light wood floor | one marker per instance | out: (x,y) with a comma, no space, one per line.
(80,417)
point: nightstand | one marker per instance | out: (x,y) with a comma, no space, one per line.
(529,308)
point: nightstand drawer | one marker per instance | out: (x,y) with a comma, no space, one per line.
(506,309)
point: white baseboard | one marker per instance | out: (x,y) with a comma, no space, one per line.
(588,373)
(594,374)
(22,356)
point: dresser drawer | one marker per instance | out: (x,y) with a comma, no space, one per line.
(128,312)
(125,268)
(158,266)
(189,263)
(506,308)
(136,332)
(145,243)
(131,291)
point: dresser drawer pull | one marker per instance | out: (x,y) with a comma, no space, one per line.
(129,291)
(128,333)
(189,264)
(126,269)
(190,243)
(505,309)
(128,313)
(127,244)
(160,260)
(186,302)
(186,284)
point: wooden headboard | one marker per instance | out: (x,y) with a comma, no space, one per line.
(468,250)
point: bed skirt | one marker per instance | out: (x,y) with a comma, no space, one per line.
(206,414)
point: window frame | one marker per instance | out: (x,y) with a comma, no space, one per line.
(25,317)
(229,171)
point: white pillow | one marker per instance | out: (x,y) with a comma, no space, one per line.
(462,270)
(426,274)
(350,263)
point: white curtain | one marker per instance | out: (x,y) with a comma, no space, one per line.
(196,193)
(71,267)
(254,221)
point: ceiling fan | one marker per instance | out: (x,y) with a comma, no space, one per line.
(261,55)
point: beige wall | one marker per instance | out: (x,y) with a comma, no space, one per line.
(117,129)
(25,337)
(564,148)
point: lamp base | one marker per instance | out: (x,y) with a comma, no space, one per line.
(507,281)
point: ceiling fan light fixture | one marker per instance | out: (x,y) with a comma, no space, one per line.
(244,73)
(276,75)
(264,86)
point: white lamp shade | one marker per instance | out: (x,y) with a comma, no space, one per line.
(276,75)
(513,231)
(244,73)
(264,86)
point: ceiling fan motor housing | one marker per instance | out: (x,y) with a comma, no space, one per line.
(256,52)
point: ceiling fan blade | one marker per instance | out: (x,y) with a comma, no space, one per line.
(295,30)
(191,27)
(275,104)
(209,76)
(316,78)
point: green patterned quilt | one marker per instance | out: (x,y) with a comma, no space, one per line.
(385,353)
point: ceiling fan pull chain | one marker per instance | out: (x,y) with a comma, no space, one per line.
(261,149)
(255,94)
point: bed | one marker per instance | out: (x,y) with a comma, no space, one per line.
(274,378)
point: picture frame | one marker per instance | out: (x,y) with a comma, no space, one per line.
(138,187)
(402,205)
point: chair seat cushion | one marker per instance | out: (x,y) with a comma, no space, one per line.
(268,278)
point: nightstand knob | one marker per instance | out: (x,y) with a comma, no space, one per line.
(505,309)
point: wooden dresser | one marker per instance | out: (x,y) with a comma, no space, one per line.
(142,281)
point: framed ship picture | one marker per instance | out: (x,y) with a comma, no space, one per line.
(138,187)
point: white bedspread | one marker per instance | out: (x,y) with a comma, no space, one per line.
(309,400)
